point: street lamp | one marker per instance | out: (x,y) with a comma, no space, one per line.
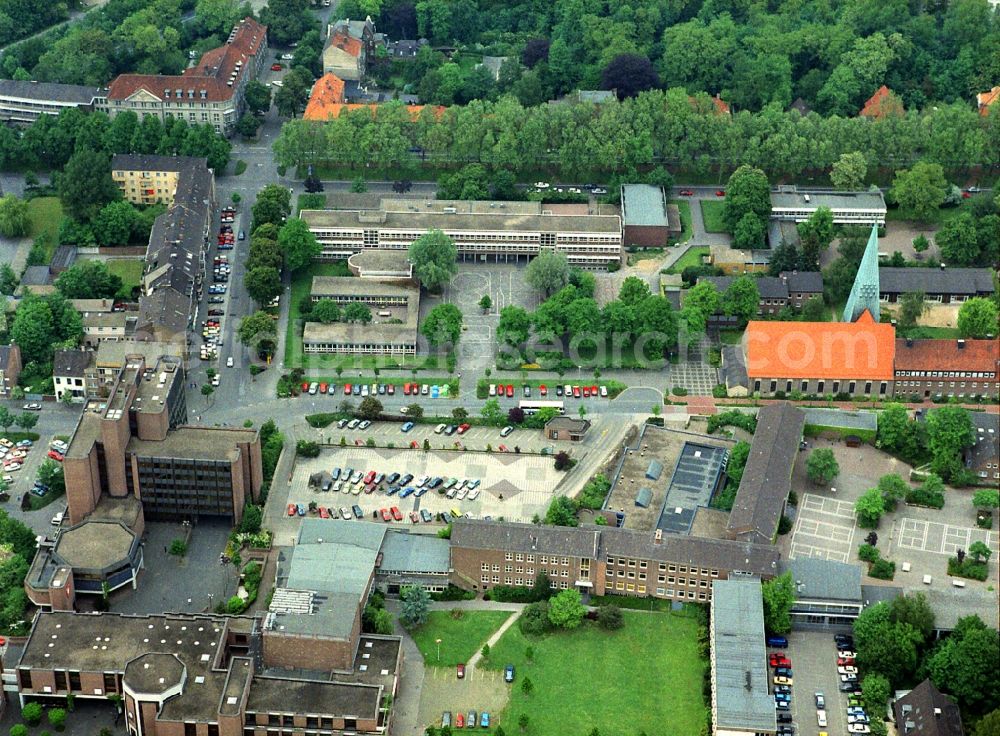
(438,642)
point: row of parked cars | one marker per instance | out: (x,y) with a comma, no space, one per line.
(356,512)
(356,482)
(782,680)
(465,720)
(567,390)
(857,717)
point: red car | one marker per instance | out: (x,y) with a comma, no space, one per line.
(406,389)
(720,192)
(687,192)
(543,390)
(460,718)
(323,387)
(323,513)
(778,659)
(369,477)
(396,513)
(390,389)
(586,392)
(576,392)
(292,510)
(414,517)
(510,390)
(276,67)
(593,390)
(55,455)
(370,488)
(385,515)
(460,672)
(845,661)
(305,386)
(966,195)
(347,389)
(503,448)
(463,428)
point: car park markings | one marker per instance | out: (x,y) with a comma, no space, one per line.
(820,530)
(942,539)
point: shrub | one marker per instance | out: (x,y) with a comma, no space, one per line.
(882,569)
(307,448)
(967,568)
(868,553)
(178,548)
(784,525)
(453,593)
(610,617)
(534,620)
(32,714)
(592,495)
(679,391)
(57,718)
(732,418)
(19,729)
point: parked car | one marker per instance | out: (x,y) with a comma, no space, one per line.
(777,641)
(821,718)
(820,701)
(460,719)
(33,406)
(720,192)
(407,426)
(687,192)
(384,513)
(508,673)
(783,680)
(292,509)
(506,431)
(396,513)
(460,671)
(484,720)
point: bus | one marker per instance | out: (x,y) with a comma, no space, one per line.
(533,407)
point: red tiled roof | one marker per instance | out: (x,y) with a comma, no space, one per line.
(985,99)
(211,74)
(327,95)
(863,349)
(882,103)
(344,42)
(982,356)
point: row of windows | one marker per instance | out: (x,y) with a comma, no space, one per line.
(945,374)
(821,387)
(337,347)
(485,579)
(519,557)
(664,567)
(974,385)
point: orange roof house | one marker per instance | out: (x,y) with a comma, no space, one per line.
(949,356)
(345,43)
(882,104)
(984,100)
(863,350)
(327,101)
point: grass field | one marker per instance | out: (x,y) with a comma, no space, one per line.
(46,213)
(711,213)
(129,270)
(685,209)
(691,258)
(460,637)
(301,283)
(646,677)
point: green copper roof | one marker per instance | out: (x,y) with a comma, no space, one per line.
(864,293)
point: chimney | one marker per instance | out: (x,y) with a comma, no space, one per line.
(961,344)
(937,712)
(658,537)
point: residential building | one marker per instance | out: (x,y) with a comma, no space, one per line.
(101,327)
(741,699)
(503,232)
(601,560)
(819,358)
(790,289)
(883,103)
(210,92)
(10,368)
(350,44)
(986,100)
(926,711)
(329,99)
(827,592)
(203,675)
(136,444)
(983,458)
(647,219)
(566,429)
(767,477)
(146,179)
(392,331)
(405,50)
(864,296)
(947,368)
(944,285)
(25,102)
(736,261)
(790,203)
(69,369)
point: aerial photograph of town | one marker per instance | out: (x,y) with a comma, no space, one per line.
(512,367)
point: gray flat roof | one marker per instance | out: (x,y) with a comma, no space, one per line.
(94,544)
(739,665)
(271,695)
(842,419)
(400,334)
(415,553)
(349,285)
(791,198)
(199,443)
(423,221)
(816,578)
(72,93)
(644,204)
(696,475)
(461,206)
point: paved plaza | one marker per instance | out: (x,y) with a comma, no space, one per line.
(824,528)
(942,539)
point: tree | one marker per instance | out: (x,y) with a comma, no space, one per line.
(256,327)
(912,306)
(26,420)
(913,609)
(416,603)
(919,191)
(964,665)
(291,99)
(485,303)
(885,647)
(527,686)
(561,512)
(85,185)
(356,312)
(443,325)
(565,610)
(748,192)
(988,725)
(492,413)
(814,309)
(514,326)
(742,298)
(875,692)
(750,232)
(248,124)
(116,223)
(14,220)
(548,272)
(51,474)
(949,432)
(8,280)
(6,418)
(893,489)
(700,303)
(816,234)
(433,257)
(977,318)
(610,617)
(979,552)
(415,411)
(257,97)
(370,408)
(88,280)
(298,245)
(18,729)
(273,205)
(822,467)
(326,311)
(32,713)
(779,596)
(869,508)
(958,240)
(628,75)
(263,284)
(849,171)
(988,498)
(522,720)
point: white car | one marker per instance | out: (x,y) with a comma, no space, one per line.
(857,718)
(216,379)
(821,718)
(541,185)
(845,654)
(604,392)
(493,389)
(229,362)
(439,429)
(32,407)
(473,494)
(287,57)
(847,670)
(858,728)
(848,678)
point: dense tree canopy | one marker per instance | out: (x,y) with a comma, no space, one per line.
(88,280)
(433,256)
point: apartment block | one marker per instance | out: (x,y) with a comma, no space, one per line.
(153,179)
(210,92)
(26,101)
(789,203)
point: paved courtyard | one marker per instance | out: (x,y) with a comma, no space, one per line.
(824,528)
(943,539)
(480,690)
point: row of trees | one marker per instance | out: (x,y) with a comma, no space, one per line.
(655,127)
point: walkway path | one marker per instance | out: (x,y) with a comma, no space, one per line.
(491,642)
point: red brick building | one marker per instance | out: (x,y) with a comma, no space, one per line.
(945,368)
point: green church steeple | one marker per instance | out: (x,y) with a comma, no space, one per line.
(864,293)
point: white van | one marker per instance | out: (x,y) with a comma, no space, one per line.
(57,520)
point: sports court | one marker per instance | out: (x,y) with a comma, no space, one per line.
(824,528)
(942,539)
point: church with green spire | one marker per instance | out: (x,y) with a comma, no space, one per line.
(864,293)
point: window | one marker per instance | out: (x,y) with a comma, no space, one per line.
(74,681)
(60,680)
(509,556)
(190,729)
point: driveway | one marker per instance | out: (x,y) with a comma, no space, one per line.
(814,663)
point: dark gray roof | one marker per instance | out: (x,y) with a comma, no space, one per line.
(926,711)
(72,93)
(36,276)
(577,426)
(5,351)
(643,497)
(696,476)
(561,540)
(166,308)
(767,477)
(803,281)
(936,280)
(654,470)
(739,660)
(70,363)
(403,552)
(734,367)
(63,258)
(143,162)
(828,580)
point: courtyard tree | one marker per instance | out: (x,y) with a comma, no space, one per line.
(433,256)
(298,245)
(485,303)
(849,171)
(561,512)
(977,318)
(356,312)
(256,327)
(893,489)
(920,190)
(85,184)
(869,508)
(779,596)
(492,413)
(747,192)
(885,646)
(565,610)
(949,432)
(88,280)
(912,306)
(548,271)
(822,467)
(257,97)
(443,325)
(965,665)
(742,298)
(326,311)
(416,603)
(913,609)
(815,234)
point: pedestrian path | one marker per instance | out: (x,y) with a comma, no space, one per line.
(491,642)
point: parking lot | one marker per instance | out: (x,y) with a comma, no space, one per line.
(942,539)
(824,528)
(814,666)
(476,438)
(480,690)
(515,487)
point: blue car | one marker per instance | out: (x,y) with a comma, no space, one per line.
(508,673)
(782,698)
(777,641)
(435,392)
(406,492)
(391,490)
(484,720)
(407,427)
(301,510)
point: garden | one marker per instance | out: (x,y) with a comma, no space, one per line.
(461,633)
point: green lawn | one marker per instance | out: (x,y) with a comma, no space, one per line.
(691,258)
(301,284)
(129,270)
(645,677)
(460,637)
(45,213)
(685,209)
(711,213)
